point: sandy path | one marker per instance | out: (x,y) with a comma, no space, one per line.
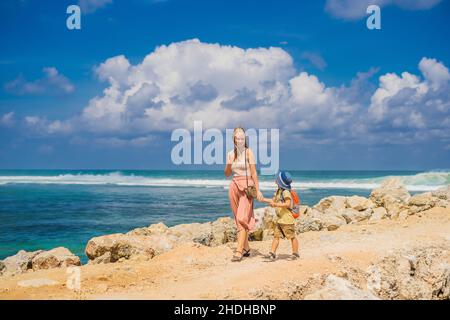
(196,272)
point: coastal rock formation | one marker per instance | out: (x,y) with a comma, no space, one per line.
(158,238)
(334,203)
(332,221)
(55,258)
(19,263)
(23,261)
(413,274)
(442,193)
(113,247)
(359,203)
(392,195)
(390,201)
(336,288)
(352,215)
(378,214)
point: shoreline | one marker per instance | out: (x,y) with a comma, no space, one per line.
(390,209)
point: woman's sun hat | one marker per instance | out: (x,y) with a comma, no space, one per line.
(284,180)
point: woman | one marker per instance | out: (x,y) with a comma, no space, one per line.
(243,172)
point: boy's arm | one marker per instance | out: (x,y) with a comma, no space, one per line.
(285,204)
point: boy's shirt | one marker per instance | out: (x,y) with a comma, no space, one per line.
(284,214)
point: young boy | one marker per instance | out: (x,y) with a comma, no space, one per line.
(284,227)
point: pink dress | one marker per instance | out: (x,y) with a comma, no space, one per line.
(241,206)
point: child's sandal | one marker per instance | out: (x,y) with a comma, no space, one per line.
(295,255)
(271,256)
(246,253)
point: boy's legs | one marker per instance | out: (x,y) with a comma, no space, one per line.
(294,243)
(275,243)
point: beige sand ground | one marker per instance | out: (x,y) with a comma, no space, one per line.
(198,272)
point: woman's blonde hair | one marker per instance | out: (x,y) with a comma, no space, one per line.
(234,140)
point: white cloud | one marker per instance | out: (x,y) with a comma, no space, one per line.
(356,9)
(90,6)
(224,86)
(412,102)
(52,82)
(315,59)
(7,119)
(434,72)
(184,81)
(45,127)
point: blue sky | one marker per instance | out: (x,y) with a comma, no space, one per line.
(343,96)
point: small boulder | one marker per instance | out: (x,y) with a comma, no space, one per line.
(187,232)
(378,214)
(392,195)
(19,263)
(223,230)
(331,221)
(359,203)
(336,288)
(2,267)
(307,223)
(157,228)
(334,202)
(352,215)
(55,258)
(122,246)
(442,193)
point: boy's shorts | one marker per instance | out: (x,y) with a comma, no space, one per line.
(285,231)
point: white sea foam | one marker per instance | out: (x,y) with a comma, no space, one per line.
(426,181)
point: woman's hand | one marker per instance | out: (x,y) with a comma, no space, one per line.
(259,196)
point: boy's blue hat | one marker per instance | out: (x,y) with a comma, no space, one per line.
(284,180)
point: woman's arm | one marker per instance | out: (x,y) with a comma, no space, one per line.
(228,170)
(254,174)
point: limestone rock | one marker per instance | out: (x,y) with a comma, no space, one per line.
(125,246)
(412,274)
(336,288)
(55,258)
(307,223)
(19,263)
(392,195)
(157,228)
(359,203)
(421,202)
(331,221)
(334,202)
(442,193)
(187,232)
(223,230)
(378,214)
(352,215)
(2,267)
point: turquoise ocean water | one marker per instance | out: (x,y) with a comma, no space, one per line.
(43,209)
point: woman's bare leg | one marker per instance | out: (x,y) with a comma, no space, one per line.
(246,244)
(240,242)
